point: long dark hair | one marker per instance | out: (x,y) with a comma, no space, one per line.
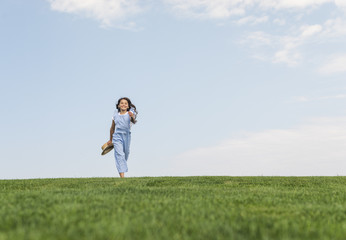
(130,106)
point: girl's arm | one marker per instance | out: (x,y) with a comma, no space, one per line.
(111,132)
(132,117)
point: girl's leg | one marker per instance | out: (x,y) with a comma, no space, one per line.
(127,142)
(126,148)
(120,160)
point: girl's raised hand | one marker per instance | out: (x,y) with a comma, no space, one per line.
(131,114)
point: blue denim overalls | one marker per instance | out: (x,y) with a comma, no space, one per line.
(122,139)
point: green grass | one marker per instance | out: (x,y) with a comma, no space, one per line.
(174,208)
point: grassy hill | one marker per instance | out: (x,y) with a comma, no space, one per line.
(174,208)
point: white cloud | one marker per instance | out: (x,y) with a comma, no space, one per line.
(289,45)
(106,11)
(335,64)
(288,53)
(258,39)
(287,56)
(277,49)
(292,34)
(308,31)
(206,9)
(317,147)
(334,28)
(289,48)
(285,46)
(252,20)
(228,8)
(297,4)
(341,4)
(279,21)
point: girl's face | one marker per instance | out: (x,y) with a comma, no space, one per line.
(123,105)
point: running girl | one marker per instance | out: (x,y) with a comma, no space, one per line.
(120,133)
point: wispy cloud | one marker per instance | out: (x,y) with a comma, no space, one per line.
(317,147)
(220,9)
(286,40)
(289,47)
(335,64)
(108,12)
(213,9)
(341,4)
(251,20)
(279,21)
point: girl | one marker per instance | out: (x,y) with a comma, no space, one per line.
(120,133)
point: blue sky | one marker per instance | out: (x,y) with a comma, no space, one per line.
(222,87)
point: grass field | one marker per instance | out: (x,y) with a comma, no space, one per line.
(174,208)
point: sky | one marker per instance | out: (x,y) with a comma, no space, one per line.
(222,87)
